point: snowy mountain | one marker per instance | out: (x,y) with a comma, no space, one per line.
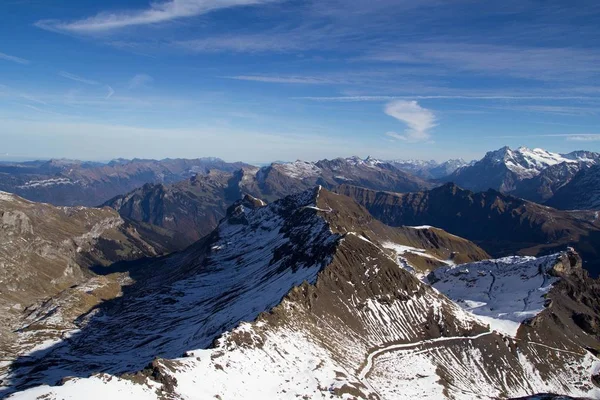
(310,297)
(511,171)
(429,169)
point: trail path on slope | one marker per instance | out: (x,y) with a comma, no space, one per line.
(369,365)
(364,371)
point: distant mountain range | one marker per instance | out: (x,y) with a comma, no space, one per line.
(534,174)
(582,192)
(71,183)
(430,169)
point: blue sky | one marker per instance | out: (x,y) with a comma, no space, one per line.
(261,80)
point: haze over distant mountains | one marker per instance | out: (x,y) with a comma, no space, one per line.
(187,198)
(72,182)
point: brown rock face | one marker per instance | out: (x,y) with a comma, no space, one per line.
(569,264)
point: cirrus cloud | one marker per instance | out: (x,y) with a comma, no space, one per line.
(157,12)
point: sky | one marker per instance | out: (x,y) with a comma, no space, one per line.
(265,80)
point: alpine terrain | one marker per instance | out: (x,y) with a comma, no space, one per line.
(501,224)
(311,297)
(193,207)
(47,258)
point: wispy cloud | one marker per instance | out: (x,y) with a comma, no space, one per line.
(8,57)
(305,80)
(140,81)
(584,138)
(575,137)
(77,78)
(158,12)
(570,110)
(419,120)
(538,63)
(247,43)
(441,97)
(110,93)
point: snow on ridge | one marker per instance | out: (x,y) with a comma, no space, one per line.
(502,292)
(299,169)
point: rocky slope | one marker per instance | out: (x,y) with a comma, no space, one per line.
(310,304)
(501,224)
(518,171)
(71,183)
(49,252)
(191,208)
(581,193)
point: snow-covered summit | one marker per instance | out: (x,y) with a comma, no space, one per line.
(528,163)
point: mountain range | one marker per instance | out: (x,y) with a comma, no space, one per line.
(346,278)
(532,174)
(311,297)
(193,208)
(76,183)
(501,224)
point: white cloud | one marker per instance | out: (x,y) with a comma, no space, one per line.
(140,81)
(77,78)
(8,57)
(419,120)
(158,12)
(110,93)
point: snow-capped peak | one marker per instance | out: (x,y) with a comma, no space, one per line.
(528,162)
